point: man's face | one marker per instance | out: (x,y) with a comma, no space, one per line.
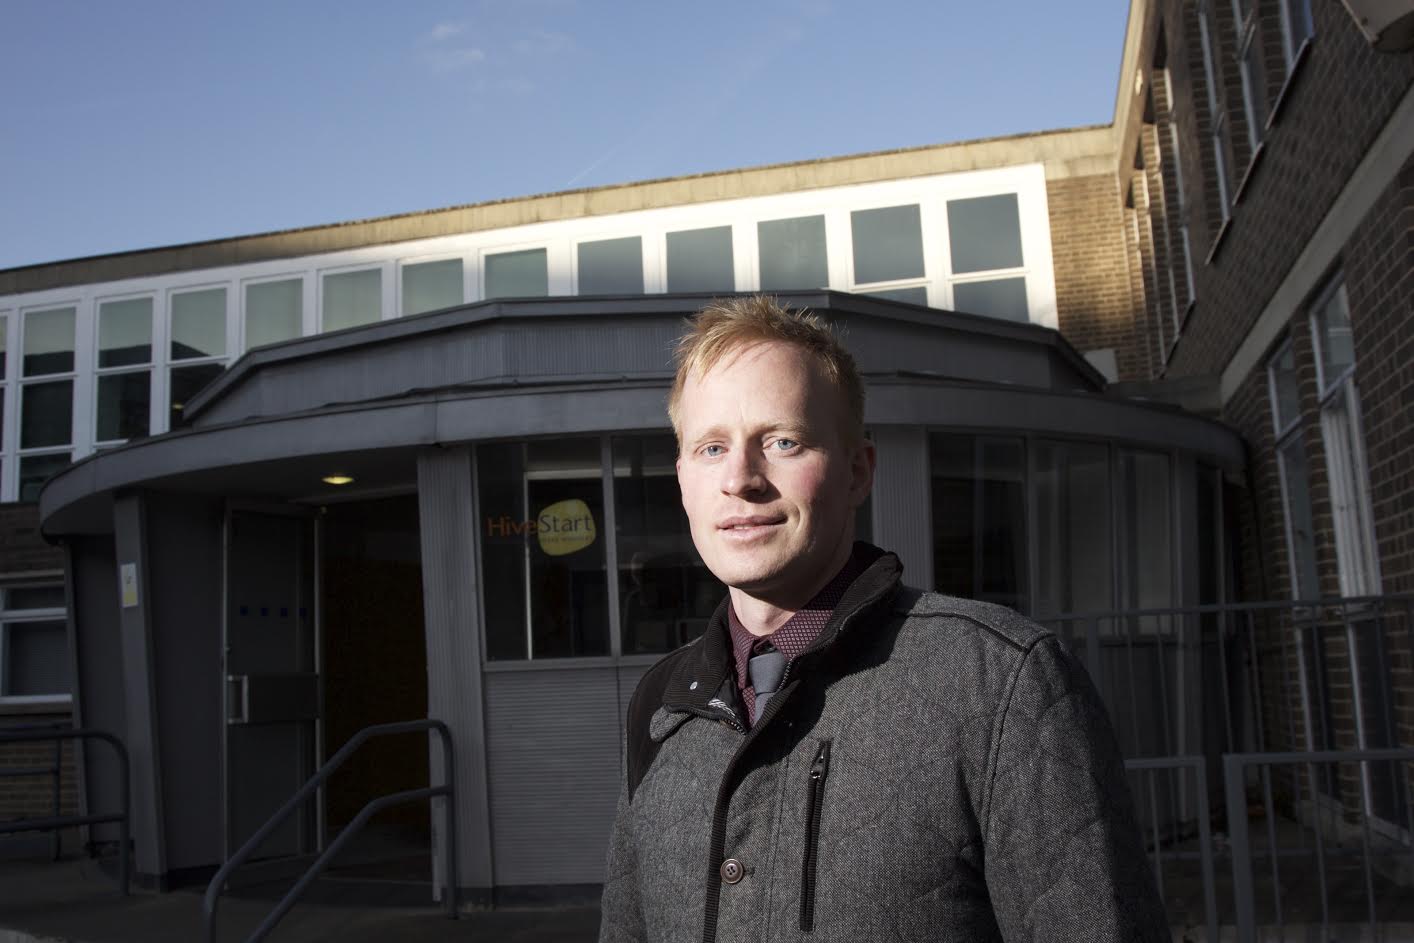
(769,481)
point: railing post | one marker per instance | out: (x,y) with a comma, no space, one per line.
(1242,891)
(449,869)
(54,840)
(1205,848)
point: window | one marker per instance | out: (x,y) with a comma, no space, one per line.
(1343,436)
(792,253)
(47,404)
(350,299)
(124,380)
(1074,568)
(522,274)
(542,545)
(34,660)
(1220,137)
(701,260)
(1293,473)
(1254,80)
(666,592)
(984,234)
(611,267)
(1297,28)
(274,311)
(430,286)
(978,486)
(1145,532)
(198,346)
(888,247)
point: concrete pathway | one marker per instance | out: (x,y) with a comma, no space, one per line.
(76,902)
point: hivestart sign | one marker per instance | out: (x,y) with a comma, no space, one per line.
(561,528)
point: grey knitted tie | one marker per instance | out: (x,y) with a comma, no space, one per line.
(765,671)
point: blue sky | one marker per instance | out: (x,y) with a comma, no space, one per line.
(135,124)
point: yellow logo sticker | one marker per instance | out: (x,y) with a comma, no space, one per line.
(565,527)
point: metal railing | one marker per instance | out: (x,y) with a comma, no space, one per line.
(1321,823)
(449,847)
(1247,677)
(1163,841)
(56,821)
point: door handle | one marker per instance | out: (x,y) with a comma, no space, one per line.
(237,699)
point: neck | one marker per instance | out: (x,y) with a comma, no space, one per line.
(763,613)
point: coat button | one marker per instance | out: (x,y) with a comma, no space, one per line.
(733,871)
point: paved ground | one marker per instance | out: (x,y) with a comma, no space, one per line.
(74,901)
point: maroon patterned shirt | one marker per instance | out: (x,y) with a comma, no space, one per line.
(794,636)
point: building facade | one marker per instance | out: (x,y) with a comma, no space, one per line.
(307,481)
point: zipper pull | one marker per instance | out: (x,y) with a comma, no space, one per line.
(822,762)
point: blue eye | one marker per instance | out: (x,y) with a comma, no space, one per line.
(785,445)
(712,451)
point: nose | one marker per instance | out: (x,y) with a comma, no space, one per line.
(743,473)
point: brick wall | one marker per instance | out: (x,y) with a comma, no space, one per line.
(1094,299)
(21,547)
(1337,102)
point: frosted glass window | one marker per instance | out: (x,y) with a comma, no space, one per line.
(429,286)
(124,405)
(985,233)
(1072,534)
(517,274)
(1300,531)
(1286,400)
(125,332)
(1333,338)
(998,298)
(888,244)
(352,298)
(186,383)
(49,341)
(611,267)
(274,312)
(35,470)
(47,414)
(917,295)
(701,260)
(793,253)
(199,324)
(35,657)
(3,340)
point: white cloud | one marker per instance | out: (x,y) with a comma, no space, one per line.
(543,43)
(444,31)
(453,60)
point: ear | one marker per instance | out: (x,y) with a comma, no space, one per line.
(682,495)
(861,471)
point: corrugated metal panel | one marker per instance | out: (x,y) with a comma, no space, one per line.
(903,520)
(553,751)
(450,582)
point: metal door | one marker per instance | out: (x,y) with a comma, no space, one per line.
(271,675)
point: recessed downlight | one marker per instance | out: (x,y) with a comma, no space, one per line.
(337,480)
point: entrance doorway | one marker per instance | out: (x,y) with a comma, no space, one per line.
(375,672)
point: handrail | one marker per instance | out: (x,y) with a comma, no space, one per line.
(56,821)
(213,890)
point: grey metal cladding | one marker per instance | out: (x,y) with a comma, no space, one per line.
(450,583)
(553,752)
(901,501)
(99,684)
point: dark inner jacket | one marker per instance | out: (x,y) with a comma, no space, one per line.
(931,768)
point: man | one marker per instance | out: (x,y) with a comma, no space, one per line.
(840,757)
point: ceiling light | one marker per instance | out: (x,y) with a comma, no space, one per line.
(338,480)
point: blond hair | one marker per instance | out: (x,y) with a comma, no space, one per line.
(729,323)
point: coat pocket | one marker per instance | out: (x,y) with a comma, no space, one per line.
(819,770)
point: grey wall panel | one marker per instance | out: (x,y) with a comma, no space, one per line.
(903,519)
(140,689)
(98,681)
(553,740)
(450,586)
(184,553)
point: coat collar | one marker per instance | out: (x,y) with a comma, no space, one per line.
(700,677)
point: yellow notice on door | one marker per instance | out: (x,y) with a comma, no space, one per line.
(565,527)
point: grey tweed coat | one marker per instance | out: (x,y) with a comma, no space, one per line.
(931,769)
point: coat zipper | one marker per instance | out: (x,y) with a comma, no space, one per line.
(819,769)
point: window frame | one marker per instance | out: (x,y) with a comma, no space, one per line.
(9,617)
(469,277)
(646,269)
(73,376)
(149,367)
(1220,137)
(926,227)
(1286,436)
(484,254)
(306,316)
(385,287)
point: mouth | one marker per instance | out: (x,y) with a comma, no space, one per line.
(749,524)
